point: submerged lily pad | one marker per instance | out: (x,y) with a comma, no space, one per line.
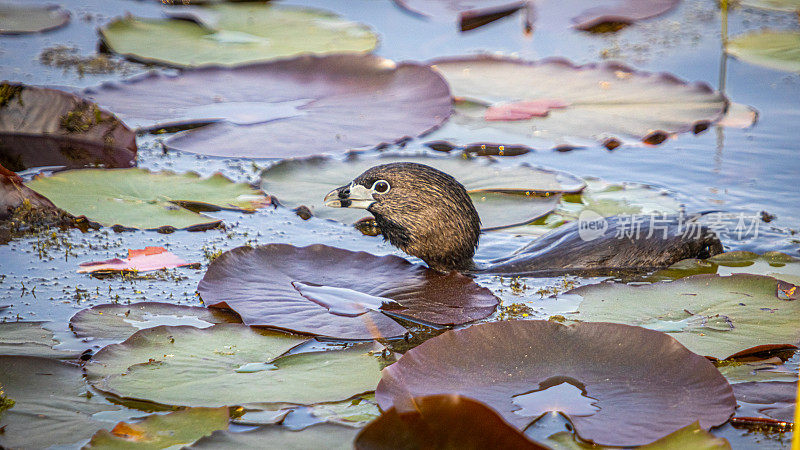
(778,50)
(30,339)
(115,323)
(443,422)
(332,292)
(304,106)
(775,399)
(608,102)
(233,34)
(23,19)
(504,196)
(631,385)
(709,314)
(45,127)
(138,198)
(229,364)
(52,404)
(161,431)
(324,435)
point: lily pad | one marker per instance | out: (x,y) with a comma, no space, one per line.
(161,431)
(709,314)
(24,19)
(616,13)
(115,323)
(774,264)
(139,260)
(627,385)
(236,33)
(504,196)
(45,127)
(355,412)
(443,422)
(324,435)
(304,106)
(53,406)
(470,14)
(13,194)
(30,339)
(777,5)
(778,50)
(138,198)
(691,436)
(607,102)
(326,291)
(774,399)
(229,364)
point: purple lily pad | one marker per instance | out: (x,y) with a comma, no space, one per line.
(331,292)
(471,14)
(46,127)
(14,194)
(775,399)
(623,12)
(303,106)
(641,384)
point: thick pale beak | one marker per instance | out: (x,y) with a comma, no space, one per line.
(350,196)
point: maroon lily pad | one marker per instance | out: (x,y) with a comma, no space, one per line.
(14,194)
(775,399)
(337,293)
(442,422)
(623,12)
(303,106)
(631,385)
(47,127)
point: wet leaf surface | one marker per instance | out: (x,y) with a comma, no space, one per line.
(774,264)
(17,18)
(260,285)
(304,106)
(138,198)
(504,196)
(30,339)
(229,364)
(324,435)
(605,102)
(182,427)
(235,33)
(47,127)
(779,50)
(645,384)
(709,314)
(53,406)
(775,399)
(442,422)
(691,436)
(116,323)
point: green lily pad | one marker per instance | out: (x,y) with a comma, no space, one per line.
(233,34)
(504,196)
(355,412)
(30,339)
(229,364)
(691,436)
(19,19)
(778,50)
(52,403)
(324,435)
(569,106)
(776,5)
(709,314)
(138,198)
(161,431)
(114,323)
(774,264)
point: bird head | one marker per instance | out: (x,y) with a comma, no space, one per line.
(419,209)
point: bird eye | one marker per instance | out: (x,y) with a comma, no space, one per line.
(381,187)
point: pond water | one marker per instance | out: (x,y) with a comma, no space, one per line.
(731,170)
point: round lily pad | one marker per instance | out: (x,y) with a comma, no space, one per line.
(777,5)
(23,19)
(236,33)
(45,127)
(305,106)
(619,385)
(691,436)
(774,264)
(775,399)
(337,293)
(229,364)
(52,404)
(324,435)
(569,105)
(30,339)
(115,323)
(138,198)
(709,314)
(778,50)
(504,196)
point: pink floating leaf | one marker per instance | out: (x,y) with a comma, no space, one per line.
(523,110)
(143,260)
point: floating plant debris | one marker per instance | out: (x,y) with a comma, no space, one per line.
(260,285)
(645,384)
